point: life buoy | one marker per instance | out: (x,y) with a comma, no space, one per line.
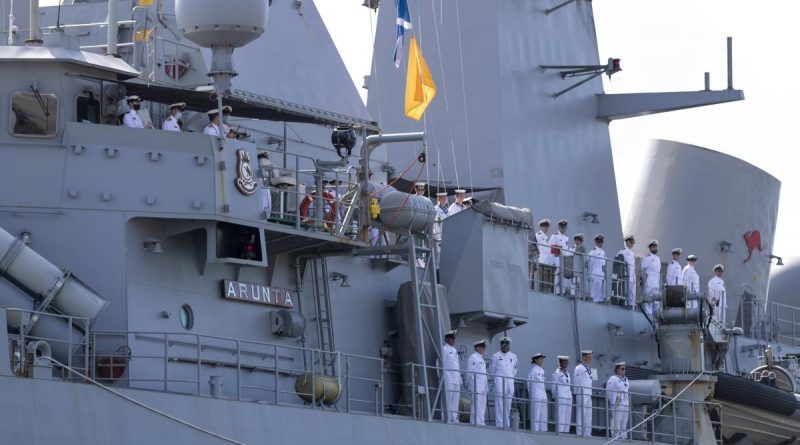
(330,201)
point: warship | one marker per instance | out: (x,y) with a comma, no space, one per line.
(284,282)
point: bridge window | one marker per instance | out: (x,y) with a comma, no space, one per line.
(34,114)
(88,109)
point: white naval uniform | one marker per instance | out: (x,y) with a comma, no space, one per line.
(452,381)
(170,124)
(617,391)
(504,369)
(211,130)
(455,208)
(438,229)
(717,298)
(597,260)
(266,198)
(478,386)
(558,242)
(630,260)
(544,252)
(132,120)
(563,395)
(692,281)
(651,271)
(674,273)
(582,377)
(538,396)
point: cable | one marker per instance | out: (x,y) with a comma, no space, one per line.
(656,412)
(395,179)
(444,87)
(464,95)
(143,405)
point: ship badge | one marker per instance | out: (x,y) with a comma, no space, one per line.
(244,181)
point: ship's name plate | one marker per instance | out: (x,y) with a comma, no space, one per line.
(257,293)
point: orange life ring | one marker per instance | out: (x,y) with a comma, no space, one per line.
(329,198)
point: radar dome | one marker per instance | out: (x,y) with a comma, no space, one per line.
(222,23)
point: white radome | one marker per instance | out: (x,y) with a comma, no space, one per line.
(229,23)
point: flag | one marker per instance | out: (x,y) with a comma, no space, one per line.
(420,89)
(403,23)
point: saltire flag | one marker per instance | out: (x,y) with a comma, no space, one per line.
(420,89)
(403,24)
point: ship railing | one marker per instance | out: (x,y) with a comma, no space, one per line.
(782,323)
(70,344)
(569,274)
(653,421)
(233,369)
(292,181)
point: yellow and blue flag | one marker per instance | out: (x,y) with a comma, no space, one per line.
(403,24)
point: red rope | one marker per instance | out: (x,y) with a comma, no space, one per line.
(408,195)
(395,179)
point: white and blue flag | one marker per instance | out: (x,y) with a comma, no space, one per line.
(403,24)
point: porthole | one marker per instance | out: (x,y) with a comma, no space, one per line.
(187,317)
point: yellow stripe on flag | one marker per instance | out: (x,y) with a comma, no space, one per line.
(420,89)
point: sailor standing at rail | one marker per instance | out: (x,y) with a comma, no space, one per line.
(504,368)
(562,392)
(477,383)
(213,127)
(597,273)
(419,188)
(442,212)
(630,261)
(674,272)
(716,294)
(173,121)
(226,122)
(651,272)
(582,377)
(458,205)
(692,281)
(538,395)
(558,243)
(618,398)
(452,375)
(578,261)
(132,119)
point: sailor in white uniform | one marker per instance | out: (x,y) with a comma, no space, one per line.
(477,383)
(419,188)
(458,205)
(651,273)
(132,119)
(538,394)
(579,251)
(266,196)
(213,127)
(542,242)
(226,122)
(173,121)
(558,243)
(442,211)
(674,271)
(630,260)
(597,274)
(582,378)
(562,392)
(717,297)
(618,398)
(503,367)
(452,376)
(691,280)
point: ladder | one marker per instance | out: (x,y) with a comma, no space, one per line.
(322,308)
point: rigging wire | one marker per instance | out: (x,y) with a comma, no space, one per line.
(374,67)
(444,87)
(395,179)
(464,95)
(424,115)
(144,405)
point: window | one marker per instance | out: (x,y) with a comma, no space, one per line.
(34,114)
(187,317)
(88,109)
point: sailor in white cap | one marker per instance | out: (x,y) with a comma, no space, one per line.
(674,270)
(452,375)
(617,393)
(562,392)
(226,122)
(558,244)
(716,294)
(597,273)
(543,243)
(538,395)
(582,377)
(477,383)
(691,280)
(173,121)
(630,261)
(503,367)
(458,205)
(579,257)
(651,271)
(442,212)
(131,118)
(213,128)
(419,188)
